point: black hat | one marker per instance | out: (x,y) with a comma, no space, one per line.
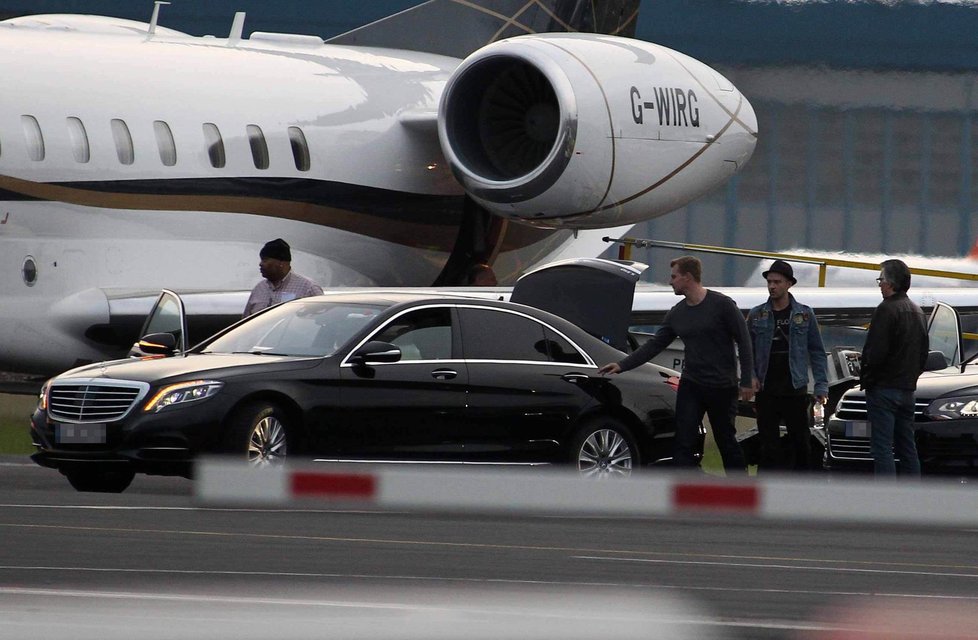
(782,267)
(277,249)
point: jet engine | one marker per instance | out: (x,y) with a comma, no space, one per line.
(590,131)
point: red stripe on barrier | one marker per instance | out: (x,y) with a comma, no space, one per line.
(332,485)
(716,496)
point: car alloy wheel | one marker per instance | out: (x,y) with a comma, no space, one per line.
(605,451)
(268,443)
(260,432)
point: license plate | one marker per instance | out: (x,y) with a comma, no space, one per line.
(93,433)
(857,429)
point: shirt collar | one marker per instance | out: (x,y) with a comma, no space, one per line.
(277,286)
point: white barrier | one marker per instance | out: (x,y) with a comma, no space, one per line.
(559,491)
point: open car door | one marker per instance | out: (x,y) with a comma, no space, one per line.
(944,333)
(164,332)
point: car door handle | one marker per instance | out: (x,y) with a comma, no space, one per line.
(575,377)
(444,374)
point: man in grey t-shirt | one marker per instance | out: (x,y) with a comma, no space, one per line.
(710,325)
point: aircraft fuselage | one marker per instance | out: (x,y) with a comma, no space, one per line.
(130,162)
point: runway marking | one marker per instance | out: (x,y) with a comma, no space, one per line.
(101,507)
(507,581)
(194,597)
(552,583)
(782,566)
(574,551)
(395,606)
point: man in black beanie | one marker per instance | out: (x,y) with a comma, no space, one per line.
(280,283)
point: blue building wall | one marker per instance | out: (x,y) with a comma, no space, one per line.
(833,33)
(838,34)
(867,138)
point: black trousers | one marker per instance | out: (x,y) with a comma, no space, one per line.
(793,410)
(720,404)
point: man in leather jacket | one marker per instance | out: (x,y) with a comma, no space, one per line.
(892,359)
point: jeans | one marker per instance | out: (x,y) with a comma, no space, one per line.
(890,413)
(793,410)
(720,404)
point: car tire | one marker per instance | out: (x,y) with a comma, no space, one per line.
(604,448)
(100,481)
(260,432)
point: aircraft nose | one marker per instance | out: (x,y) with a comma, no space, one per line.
(741,138)
(747,138)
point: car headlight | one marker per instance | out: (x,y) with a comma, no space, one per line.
(182,393)
(42,400)
(953,408)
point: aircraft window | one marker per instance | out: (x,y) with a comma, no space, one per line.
(300,149)
(34,138)
(259,148)
(123,141)
(215,145)
(79,140)
(30,271)
(164,140)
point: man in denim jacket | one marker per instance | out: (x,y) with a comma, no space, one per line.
(786,342)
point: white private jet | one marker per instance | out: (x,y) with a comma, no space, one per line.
(134,157)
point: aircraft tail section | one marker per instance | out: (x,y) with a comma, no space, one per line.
(458,27)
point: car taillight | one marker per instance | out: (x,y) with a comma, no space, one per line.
(673,381)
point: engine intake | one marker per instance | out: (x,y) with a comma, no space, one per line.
(546,129)
(510,133)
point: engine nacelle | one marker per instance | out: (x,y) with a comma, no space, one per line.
(589,131)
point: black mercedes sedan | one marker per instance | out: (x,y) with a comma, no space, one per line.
(361,376)
(945,417)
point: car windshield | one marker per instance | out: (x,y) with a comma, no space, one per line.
(298,329)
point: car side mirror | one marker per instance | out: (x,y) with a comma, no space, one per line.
(376,352)
(155,344)
(935,361)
